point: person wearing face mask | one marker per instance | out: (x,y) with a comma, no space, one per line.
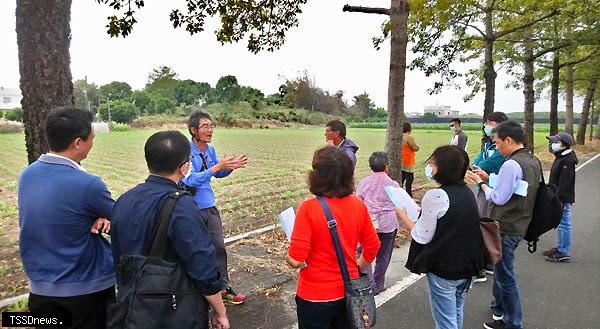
(459,138)
(134,215)
(205,166)
(487,162)
(562,175)
(447,243)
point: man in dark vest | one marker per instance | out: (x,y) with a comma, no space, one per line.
(513,212)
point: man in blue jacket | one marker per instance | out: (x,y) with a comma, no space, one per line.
(62,211)
(205,166)
(335,135)
(167,154)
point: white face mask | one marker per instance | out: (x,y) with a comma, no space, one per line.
(453,129)
(489,130)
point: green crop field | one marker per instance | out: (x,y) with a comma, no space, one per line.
(250,197)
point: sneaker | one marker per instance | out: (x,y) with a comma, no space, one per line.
(230,297)
(496,324)
(489,269)
(480,277)
(497,317)
(557,256)
(549,252)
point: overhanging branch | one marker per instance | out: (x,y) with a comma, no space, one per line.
(366,10)
(500,34)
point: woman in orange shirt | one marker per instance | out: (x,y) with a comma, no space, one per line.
(320,292)
(409,147)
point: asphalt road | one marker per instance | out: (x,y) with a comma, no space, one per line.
(553,295)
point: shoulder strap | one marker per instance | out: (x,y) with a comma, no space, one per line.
(158,245)
(331,223)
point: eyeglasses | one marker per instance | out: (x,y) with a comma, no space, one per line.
(207,126)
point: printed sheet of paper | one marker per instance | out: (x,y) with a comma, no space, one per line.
(287,219)
(401,199)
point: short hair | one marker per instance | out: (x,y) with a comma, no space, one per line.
(66,124)
(194,119)
(378,161)
(452,163)
(332,173)
(457,120)
(166,151)
(337,125)
(406,127)
(512,129)
(496,117)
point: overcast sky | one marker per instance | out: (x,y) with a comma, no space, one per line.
(334,47)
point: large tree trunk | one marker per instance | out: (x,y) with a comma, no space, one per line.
(398,45)
(585,112)
(489,74)
(569,96)
(554,94)
(529,94)
(43,38)
(597,132)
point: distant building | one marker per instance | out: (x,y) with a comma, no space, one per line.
(10,98)
(441,111)
(414,114)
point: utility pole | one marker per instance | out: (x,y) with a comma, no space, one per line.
(109,119)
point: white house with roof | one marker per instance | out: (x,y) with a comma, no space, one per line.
(441,111)
(10,98)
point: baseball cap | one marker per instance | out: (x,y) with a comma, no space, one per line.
(561,137)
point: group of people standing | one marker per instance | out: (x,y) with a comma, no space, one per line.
(63,209)
(70,265)
(447,243)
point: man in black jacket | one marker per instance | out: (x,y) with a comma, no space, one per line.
(562,175)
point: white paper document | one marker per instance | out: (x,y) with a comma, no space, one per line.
(287,219)
(520,190)
(401,199)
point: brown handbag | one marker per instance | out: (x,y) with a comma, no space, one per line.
(490,230)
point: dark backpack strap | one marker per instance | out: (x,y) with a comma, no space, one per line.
(331,223)
(159,240)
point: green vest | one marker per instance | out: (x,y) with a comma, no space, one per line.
(515,215)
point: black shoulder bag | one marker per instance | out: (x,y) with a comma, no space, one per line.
(547,213)
(153,292)
(360,301)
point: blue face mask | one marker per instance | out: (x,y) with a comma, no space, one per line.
(489,130)
(429,173)
(556,147)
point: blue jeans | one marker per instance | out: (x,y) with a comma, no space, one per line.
(507,299)
(564,231)
(447,299)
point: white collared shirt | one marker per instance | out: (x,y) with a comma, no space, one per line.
(65,158)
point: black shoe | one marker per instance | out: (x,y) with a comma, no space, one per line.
(496,324)
(489,269)
(549,252)
(480,277)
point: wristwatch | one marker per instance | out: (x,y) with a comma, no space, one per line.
(481,183)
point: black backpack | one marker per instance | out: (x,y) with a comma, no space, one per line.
(547,213)
(153,292)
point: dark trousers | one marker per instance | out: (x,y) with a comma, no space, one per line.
(214,224)
(384,256)
(409,178)
(321,315)
(87,311)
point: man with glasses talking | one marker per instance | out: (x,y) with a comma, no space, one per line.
(206,165)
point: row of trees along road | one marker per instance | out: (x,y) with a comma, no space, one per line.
(540,43)
(164,93)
